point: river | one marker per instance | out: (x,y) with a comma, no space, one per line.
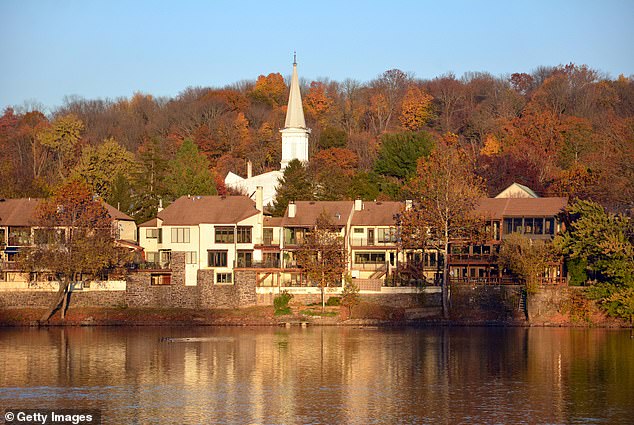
(323,375)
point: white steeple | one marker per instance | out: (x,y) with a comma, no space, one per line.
(294,133)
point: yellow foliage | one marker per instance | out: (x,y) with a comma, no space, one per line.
(491,146)
(416,108)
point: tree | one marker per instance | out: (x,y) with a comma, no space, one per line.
(400,152)
(270,89)
(295,184)
(350,295)
(527,259)
(100,166)
(189,173)
(416,110)
(322,257)
(73,240)
(445,191)
(604,242)
(62,137)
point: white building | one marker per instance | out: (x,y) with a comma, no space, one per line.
(294,146)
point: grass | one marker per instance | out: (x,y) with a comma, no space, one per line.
(318,313)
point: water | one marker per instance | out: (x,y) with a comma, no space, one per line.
(323,375)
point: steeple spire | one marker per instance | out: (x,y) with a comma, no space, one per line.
(295,112)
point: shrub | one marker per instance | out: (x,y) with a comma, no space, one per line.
(333,301)
(281,303)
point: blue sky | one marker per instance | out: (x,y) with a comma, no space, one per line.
(109,49)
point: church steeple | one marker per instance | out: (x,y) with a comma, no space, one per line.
(295,112)
(295,133)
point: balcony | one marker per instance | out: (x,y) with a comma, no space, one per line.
(365,242)
(472,259)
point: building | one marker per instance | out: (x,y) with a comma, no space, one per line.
(217,233)
(294,146)
(19,229)
(531,216)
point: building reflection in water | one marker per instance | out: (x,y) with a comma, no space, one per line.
(322,375)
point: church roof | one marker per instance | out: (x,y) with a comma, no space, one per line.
(295,112)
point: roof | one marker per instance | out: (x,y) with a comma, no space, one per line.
(273,221)
(18,212)
(193,210)
(497,208)
(294,112)
(517,190)
(115,214)
(377,214)
(307,212)
(22,212)
(150,223)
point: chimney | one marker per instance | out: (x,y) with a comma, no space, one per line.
(292,209)
(259,198)
(160,207)
(358,205)
(408,204)
(249,169)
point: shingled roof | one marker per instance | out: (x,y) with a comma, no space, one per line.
(497,208)
(307,212)
(377,214)
(193,210)
(18,212)
(22,211)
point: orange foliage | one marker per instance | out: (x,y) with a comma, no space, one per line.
(270,89)
(317,102)
(341,159)
(416,109)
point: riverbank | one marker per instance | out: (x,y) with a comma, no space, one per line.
(366,314)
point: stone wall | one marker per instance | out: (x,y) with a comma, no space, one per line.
(488,302)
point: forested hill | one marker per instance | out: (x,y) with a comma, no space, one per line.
(563,130)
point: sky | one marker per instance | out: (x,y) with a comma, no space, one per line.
(111,49)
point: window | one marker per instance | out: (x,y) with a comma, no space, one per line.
(358,230)
(217,258)
(152,257)
(152,233)
(267,235)
(508,226)
(294,236)
(244,234)
(369,257)
(550,226)
(180,235)
(157,279)
(271,259)
(19,236)
(538,226)
(224,277)
(245,259)
(49,236)
(387,235)
(191,257)
(528,226)
(224,234)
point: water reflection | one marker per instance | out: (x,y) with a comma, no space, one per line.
(323,375)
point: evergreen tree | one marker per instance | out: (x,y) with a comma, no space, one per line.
(400,152)
(189,173)
(295,185)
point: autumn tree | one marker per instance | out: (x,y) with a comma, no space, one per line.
(101,166)
(270,89)
(416,110)
(446,191)
(62,137)
(527,259)
(189,173)
(322,257)
(73,241)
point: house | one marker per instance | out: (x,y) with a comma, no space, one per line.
(218,233)
(294,146)
(18,229)
(531,216)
